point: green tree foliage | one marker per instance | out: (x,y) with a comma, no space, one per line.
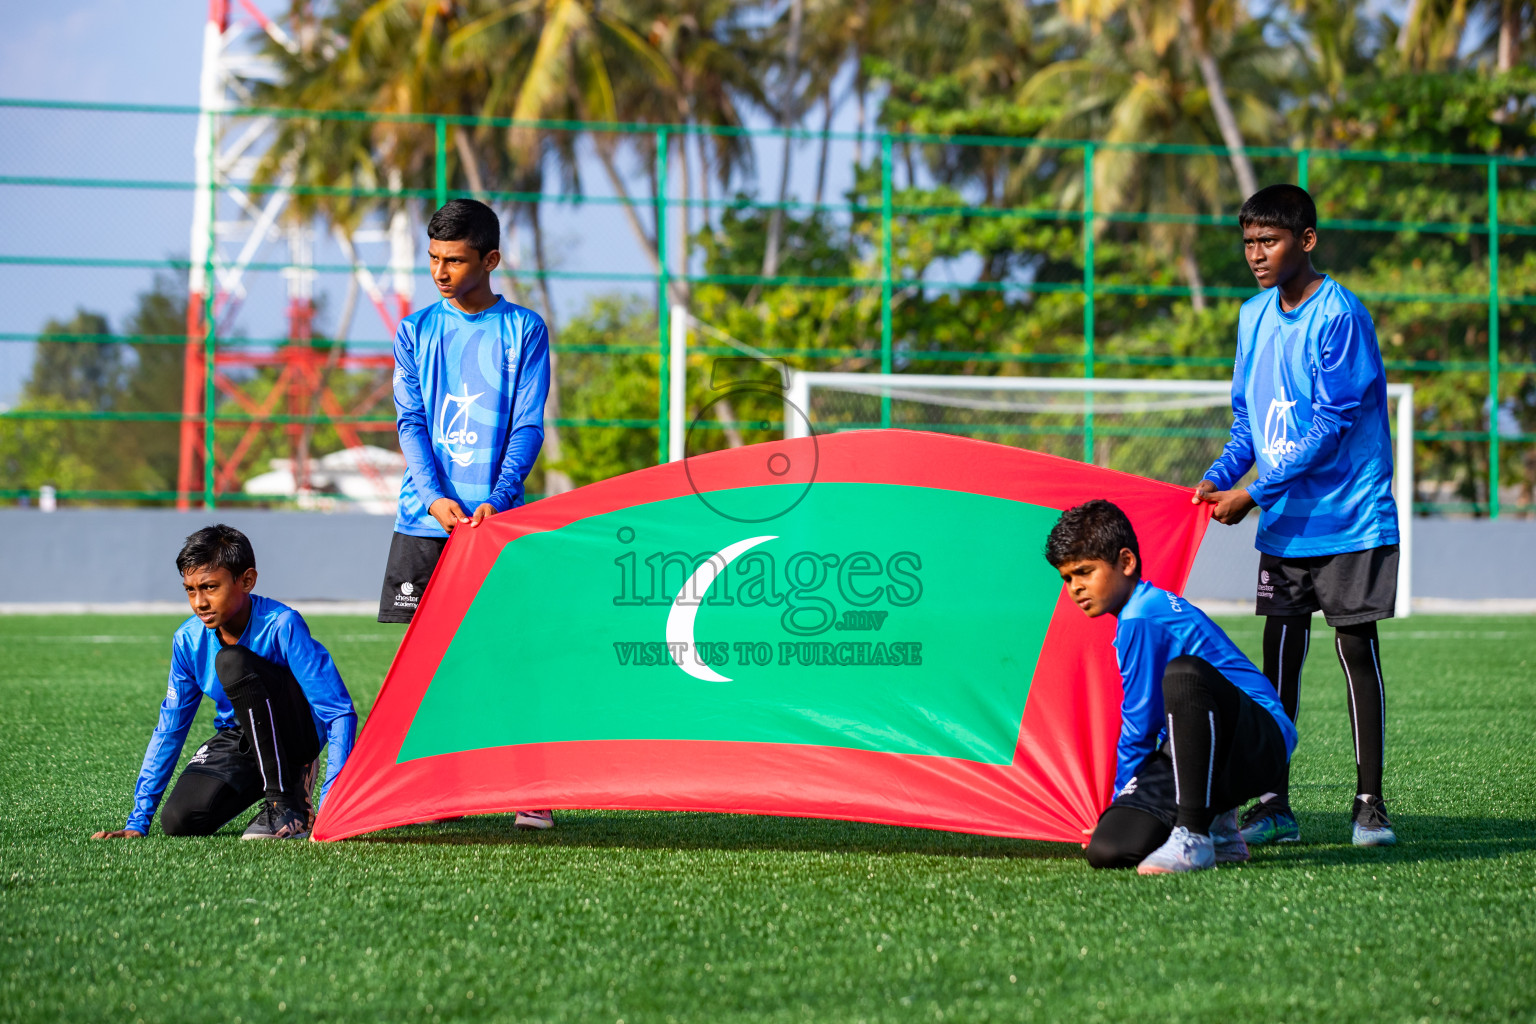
(158,323)
(77,368)
(618,388)
(77,362)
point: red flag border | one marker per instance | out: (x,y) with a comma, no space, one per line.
(1076,680)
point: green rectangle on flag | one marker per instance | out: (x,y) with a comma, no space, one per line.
(868,616)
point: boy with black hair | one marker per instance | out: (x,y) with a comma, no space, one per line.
(278,697)
(1200,728)
(471,377)
(1309,407)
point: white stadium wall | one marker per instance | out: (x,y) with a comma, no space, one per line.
(102,556)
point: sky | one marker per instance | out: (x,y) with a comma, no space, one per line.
(84,50)
(127,51)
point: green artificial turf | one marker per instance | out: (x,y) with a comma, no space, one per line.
(659,917)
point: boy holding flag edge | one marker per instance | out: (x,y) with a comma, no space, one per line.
(1200,728)
(471,377)
(1309,409)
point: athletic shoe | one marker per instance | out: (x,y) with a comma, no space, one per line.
(1269,821)
(1371,827)
(1184,851)
(1227,840)
(272,822)
(535,819)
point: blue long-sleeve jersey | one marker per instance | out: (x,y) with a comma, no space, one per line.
(1155,627)
(1309,406)
(469,394)
(277,633)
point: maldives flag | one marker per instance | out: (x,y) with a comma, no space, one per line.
(855,626)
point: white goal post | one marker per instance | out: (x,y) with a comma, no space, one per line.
(1015,402)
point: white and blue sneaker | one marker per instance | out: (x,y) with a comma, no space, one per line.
(534,820)
(1227,838)
(1370,824)
(1184,851)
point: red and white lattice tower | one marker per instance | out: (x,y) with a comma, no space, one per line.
(247,222)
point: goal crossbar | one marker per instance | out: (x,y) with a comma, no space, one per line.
(929,388)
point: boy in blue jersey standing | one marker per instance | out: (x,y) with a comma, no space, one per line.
(1309,409)
(471,377)
(1200,728)
(278,698)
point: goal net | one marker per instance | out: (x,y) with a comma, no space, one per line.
(1170,430)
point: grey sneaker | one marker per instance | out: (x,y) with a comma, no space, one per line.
(1184,851)
(1228,840)
(1370,824)
(272,822)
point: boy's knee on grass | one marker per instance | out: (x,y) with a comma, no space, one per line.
(178,820)
(1124,837)
(1104,853)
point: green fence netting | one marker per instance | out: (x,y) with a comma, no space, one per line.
(938,254)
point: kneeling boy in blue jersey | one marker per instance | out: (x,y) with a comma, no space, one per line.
(1200,728)
(278,700)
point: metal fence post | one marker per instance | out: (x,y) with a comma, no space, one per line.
(440,133)
(1088,329)
(662,310)
(1493,337)
(210,329)
(1303,167)
(885,273)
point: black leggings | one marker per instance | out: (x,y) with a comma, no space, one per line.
(200,805)
(1286,638)
(276,720)
(270,755)
(1124,837)
(1223,749)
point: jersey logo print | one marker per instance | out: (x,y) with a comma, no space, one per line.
(453,431)
(1277,428)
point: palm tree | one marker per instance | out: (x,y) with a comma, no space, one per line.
(1329,35)
(394,57)
(1197,25)
(1132,86)
(1433,33)
(713,65)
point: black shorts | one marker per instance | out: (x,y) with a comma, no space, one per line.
(221,779)
(1256,766)
(229,759)
(1151,789)
(411,561)
(1349,588)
